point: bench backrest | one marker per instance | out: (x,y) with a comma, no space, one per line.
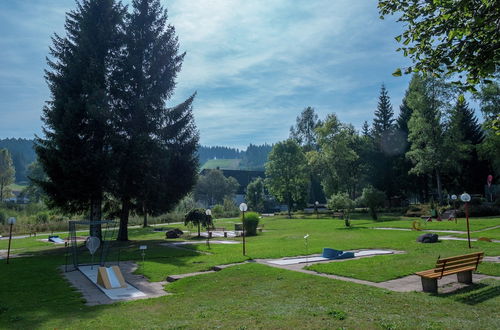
(454,263)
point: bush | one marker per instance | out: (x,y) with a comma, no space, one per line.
(218,211)
(251,223)
(341,202)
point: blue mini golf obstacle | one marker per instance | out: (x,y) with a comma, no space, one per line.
(336,254)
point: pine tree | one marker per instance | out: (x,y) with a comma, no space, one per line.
(464,134)
(404,115)
(384,116)
(154,146)
(365,129)
(75,150)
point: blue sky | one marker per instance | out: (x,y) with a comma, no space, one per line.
(255,64)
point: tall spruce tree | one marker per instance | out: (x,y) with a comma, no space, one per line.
(154,146)
(384,116)
(429,151)
(386,144)
(75,152)
(465,134)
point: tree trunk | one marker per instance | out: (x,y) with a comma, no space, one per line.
(145,222)
(438,181)
(199,232)
(123,231)
(1,193)
(289,207)
(95,215)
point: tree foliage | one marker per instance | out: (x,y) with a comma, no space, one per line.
(448,37)
(199,218)
(255,195)
(287,176)
(337,161)
(373,198)
(75,152)
(7,173)
(304,131)
(213,186)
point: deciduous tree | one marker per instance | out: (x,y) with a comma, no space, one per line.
(287,177)
(446,38)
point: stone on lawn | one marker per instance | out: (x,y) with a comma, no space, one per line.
(428,238)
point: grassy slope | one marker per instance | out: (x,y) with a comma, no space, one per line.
(230,164)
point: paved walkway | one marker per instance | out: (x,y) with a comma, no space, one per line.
(438,231)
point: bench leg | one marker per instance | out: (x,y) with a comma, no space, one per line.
(465,277)
(429,285)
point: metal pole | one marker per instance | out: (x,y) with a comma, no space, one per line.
(10,239)
(467,216)
(243,226)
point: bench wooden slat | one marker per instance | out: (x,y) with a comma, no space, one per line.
(459,262)
(441,260)
(452,265)
(450,272)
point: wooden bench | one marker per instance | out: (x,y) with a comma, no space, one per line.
(461,265)
(211,229)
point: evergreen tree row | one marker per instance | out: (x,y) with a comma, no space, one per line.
(109,138)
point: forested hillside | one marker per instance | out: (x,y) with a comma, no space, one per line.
(253,158)
(22,154)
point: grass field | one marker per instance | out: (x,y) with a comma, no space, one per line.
(34,295)
(229,164)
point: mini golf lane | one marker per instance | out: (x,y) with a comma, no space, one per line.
(357,254)
(130,292)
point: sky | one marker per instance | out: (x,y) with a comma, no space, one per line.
(255,65)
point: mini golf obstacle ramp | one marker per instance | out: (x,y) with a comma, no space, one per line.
(111,282)
(56,239)
(110,278)
(339,255)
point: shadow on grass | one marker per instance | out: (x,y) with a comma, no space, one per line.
(473,294)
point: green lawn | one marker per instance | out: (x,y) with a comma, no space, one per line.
(475,224)
(252,295)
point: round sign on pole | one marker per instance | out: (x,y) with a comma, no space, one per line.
(11,221)
(208,212)
(465,197)
(243,207)
(93,244)
(454,197)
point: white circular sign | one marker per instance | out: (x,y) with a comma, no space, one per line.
(93,244)
(454,197)
(243,207)
(465,197)
(208,212)
(11,221)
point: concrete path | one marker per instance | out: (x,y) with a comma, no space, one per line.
(405,284)
(437,230)
(94,296)
(452,238)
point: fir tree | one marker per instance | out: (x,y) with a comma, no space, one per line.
(75,150)
(404,115)
(154,146)
(365,129)
(384,116)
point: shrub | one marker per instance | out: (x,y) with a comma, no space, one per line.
(251,223)
(218,211)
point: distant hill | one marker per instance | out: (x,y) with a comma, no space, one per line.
(223,164)
(22,153)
